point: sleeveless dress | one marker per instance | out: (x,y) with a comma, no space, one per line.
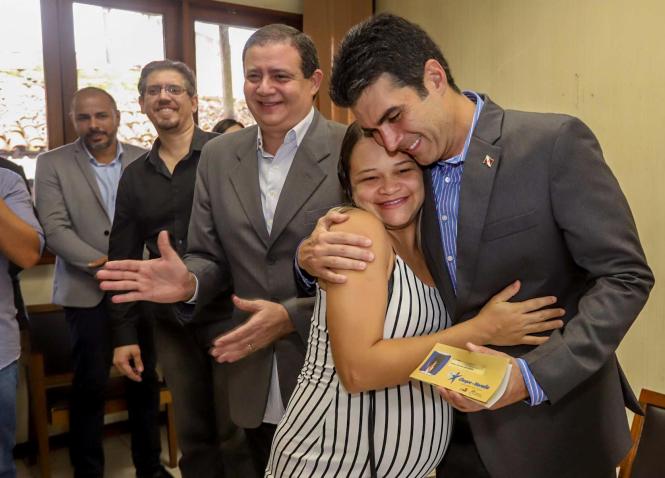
(326,430)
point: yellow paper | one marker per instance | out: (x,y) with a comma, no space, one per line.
(480,377)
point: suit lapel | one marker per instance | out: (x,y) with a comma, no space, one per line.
(245,181)
(480,166)
(83,162)
(304,176)
(431,241)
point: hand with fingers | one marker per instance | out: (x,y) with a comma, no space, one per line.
(269,322)
(324,253)
(127,359)
(513,323)
(164,280)
(516,390)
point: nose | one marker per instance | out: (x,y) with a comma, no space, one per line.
(265,86)
(387,137)
(163,95)
(389,185)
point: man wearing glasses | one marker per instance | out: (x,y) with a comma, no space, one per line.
(75,188)
(155,194)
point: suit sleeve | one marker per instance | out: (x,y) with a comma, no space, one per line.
(599,230)
(205,256)
(61,237)
(300,313)
(125,242)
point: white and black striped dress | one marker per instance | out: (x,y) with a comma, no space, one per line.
(325,429)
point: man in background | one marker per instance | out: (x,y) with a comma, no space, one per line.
(14,270)
(75,188)
(156,194)
(21,243)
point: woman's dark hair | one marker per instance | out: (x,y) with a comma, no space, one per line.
(354,134)
(225,124)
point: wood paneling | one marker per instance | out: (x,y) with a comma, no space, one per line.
(327,21)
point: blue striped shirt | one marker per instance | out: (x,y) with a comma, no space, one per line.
(108,178)
(446,182)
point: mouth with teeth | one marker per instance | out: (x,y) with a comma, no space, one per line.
(393,203)
(269,104)
(410,149)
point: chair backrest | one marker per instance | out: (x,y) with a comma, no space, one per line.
(49,335)
(646,458)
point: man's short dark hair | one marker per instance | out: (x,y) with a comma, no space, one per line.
(159,65)
(279,33)
(382,44)
(91,90)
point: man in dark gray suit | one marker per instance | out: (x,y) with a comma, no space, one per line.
(75,189)
(512,195)
(259,191)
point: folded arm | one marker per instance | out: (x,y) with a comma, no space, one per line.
(61,237)
(602,238)
(356,315)
(22,238)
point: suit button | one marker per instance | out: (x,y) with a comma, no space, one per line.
(106,233)
(271,261)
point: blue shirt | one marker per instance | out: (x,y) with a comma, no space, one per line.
(15,195)
(446,182)
(108,178)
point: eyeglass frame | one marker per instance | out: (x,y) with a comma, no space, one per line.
(151,90)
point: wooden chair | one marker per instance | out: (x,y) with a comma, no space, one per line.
(646,458)
(50,377)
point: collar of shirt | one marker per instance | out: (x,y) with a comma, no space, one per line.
(93,160)
(199,140)
(297,133)
(476,98)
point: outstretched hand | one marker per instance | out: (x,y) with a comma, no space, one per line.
(269,322)
(164,280)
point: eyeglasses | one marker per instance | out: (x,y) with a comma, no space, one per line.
(173,90)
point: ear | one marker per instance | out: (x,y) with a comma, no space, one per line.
(117,116)
(434,76)
(141,103)
(316,79)
(195,103)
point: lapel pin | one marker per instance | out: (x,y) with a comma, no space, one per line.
(488,161)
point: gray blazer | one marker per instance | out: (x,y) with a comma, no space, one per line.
(229,246)
(550,213)
(76,225)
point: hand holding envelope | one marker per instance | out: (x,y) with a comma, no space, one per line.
(482,378)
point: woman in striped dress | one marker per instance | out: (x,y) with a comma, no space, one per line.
(355,412)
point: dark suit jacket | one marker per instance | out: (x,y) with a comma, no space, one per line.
(229,246)
(550,213)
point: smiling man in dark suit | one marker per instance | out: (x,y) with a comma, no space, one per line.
(511,195)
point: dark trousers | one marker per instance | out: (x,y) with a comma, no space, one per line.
(211,445)
(260,440)
(462,459)
(92,354)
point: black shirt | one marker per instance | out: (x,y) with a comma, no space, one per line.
(151,199)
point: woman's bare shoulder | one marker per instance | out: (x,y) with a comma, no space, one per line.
(361,222)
